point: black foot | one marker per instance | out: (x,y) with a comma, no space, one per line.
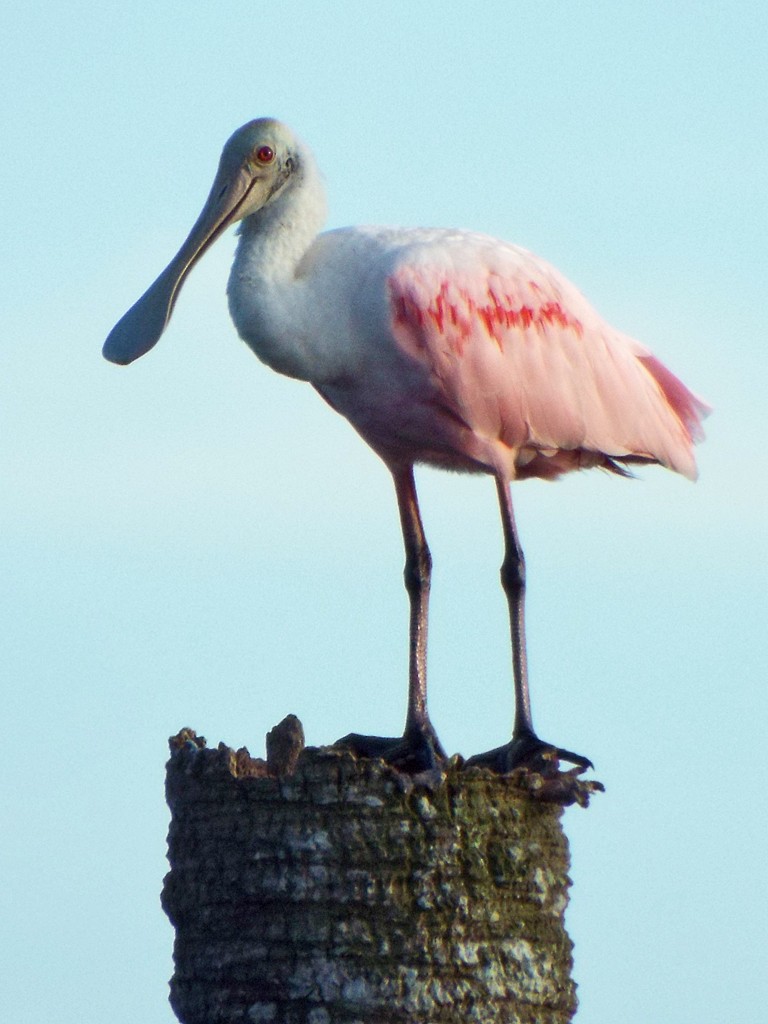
(528,751)
(541,774)
(419,750)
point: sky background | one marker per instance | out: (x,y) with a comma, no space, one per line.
(194,541)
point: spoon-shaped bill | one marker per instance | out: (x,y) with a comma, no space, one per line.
(140,328)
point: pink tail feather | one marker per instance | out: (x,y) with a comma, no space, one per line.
(688,407)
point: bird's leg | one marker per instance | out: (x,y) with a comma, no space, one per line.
(418,748)
(418,578)
(525,748)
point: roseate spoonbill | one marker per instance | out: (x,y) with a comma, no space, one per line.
(439,346)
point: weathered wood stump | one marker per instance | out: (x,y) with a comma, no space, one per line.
(338,891)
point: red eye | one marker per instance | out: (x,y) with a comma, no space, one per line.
(265,154)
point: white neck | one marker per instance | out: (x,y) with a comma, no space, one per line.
(272,243)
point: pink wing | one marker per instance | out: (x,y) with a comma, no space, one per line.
(516,354)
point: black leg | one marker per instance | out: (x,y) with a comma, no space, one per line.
(525,747)
(418,748)
(513,582)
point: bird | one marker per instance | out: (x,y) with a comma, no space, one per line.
(442,347)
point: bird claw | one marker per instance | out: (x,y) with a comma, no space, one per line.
(537,765)
(528,751)
(418,750)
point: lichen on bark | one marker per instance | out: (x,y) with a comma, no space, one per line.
(322,889)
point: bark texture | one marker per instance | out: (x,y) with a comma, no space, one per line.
(321,889)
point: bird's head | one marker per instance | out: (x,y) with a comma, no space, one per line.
(255,165)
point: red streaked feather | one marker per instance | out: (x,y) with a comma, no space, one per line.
(561,381)
(498,314)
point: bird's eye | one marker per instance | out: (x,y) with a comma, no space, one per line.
(265,154)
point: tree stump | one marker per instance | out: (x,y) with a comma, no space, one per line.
(317,888)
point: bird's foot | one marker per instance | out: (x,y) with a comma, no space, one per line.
(541,763)
(418,750)
(526,750)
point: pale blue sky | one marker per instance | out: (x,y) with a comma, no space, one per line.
(195,541)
